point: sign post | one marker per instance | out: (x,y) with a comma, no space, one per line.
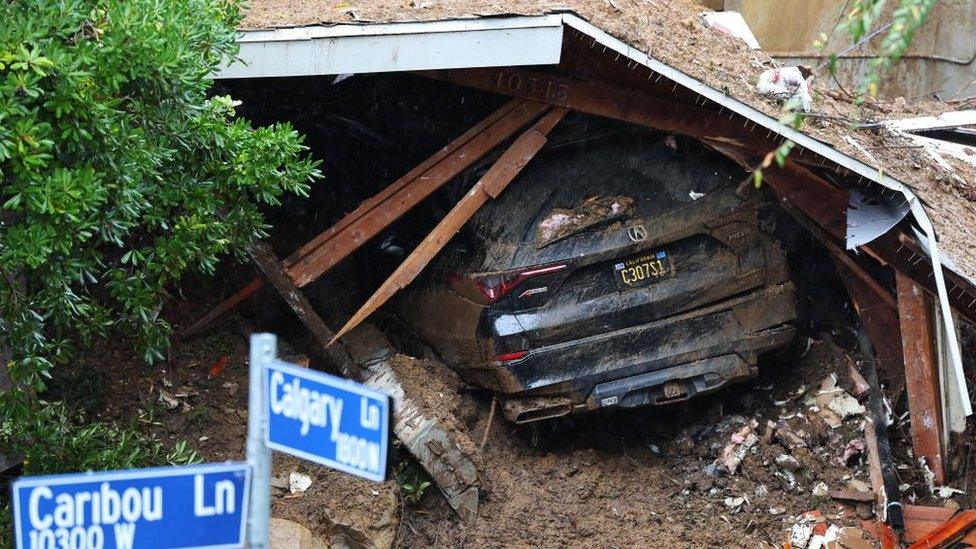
(200,506)
(263,349)
(312,415)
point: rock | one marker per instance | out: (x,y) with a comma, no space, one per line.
(285,534)
(280,482)
(864,510)
(734,503)
(852,538)
(788,462)
(298,482)
(820,490)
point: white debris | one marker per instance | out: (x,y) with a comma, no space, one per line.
(927,475)
(786,84)
(298,482)
(946,492)
(777,510)
(788,462)
(800,535)
(168,399)
(734,503)
(845,405)
(553,224)
(823,541)
(732,24)
(733,453)
(695,195)
(820,490)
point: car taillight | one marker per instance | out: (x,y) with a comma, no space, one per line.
(509,357)
(491,287)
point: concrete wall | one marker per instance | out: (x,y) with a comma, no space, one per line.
(941,62)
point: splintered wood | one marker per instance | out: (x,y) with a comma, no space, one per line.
(375,214)
(501,173)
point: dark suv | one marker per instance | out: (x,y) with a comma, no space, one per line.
(621,269)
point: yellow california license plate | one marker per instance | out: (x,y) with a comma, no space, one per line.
(643,269)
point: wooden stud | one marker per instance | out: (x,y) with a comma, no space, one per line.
(265,259)
(916,318)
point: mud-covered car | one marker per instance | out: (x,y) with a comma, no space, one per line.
(619,270)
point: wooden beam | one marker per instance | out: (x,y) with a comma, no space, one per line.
(495,180)
(366,222)
(877,310)
(452,158)
(265,259)
(904,254)
(618,103)
(948,533)
(916,316)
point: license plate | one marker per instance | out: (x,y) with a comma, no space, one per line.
(643,269)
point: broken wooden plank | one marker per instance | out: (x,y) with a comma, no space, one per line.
(879,314)
(368,222)
(948,533)
(920,520)
(455,157)
(265,259)
(902,252)
(501,173)
(223,307)
(916,315)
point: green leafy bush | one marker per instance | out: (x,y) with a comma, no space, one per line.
(119,173)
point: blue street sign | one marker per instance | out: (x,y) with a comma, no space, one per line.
(200,507)
(327,419)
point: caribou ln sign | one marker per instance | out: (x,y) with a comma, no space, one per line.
(327,419)
(199,507)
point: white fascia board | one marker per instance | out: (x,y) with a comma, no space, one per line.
(398,47)
(946,120)
(826,151)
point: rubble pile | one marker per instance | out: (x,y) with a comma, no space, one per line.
(808,442)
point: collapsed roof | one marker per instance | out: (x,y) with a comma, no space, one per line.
(670,32)
(713,70)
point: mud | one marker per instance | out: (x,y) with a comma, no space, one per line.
(591,213)
(212,419)
(640,478)
(631,478)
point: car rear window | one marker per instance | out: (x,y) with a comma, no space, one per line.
(623,174)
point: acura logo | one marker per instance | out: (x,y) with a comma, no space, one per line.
(637,233)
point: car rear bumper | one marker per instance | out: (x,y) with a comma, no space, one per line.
(654,363)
